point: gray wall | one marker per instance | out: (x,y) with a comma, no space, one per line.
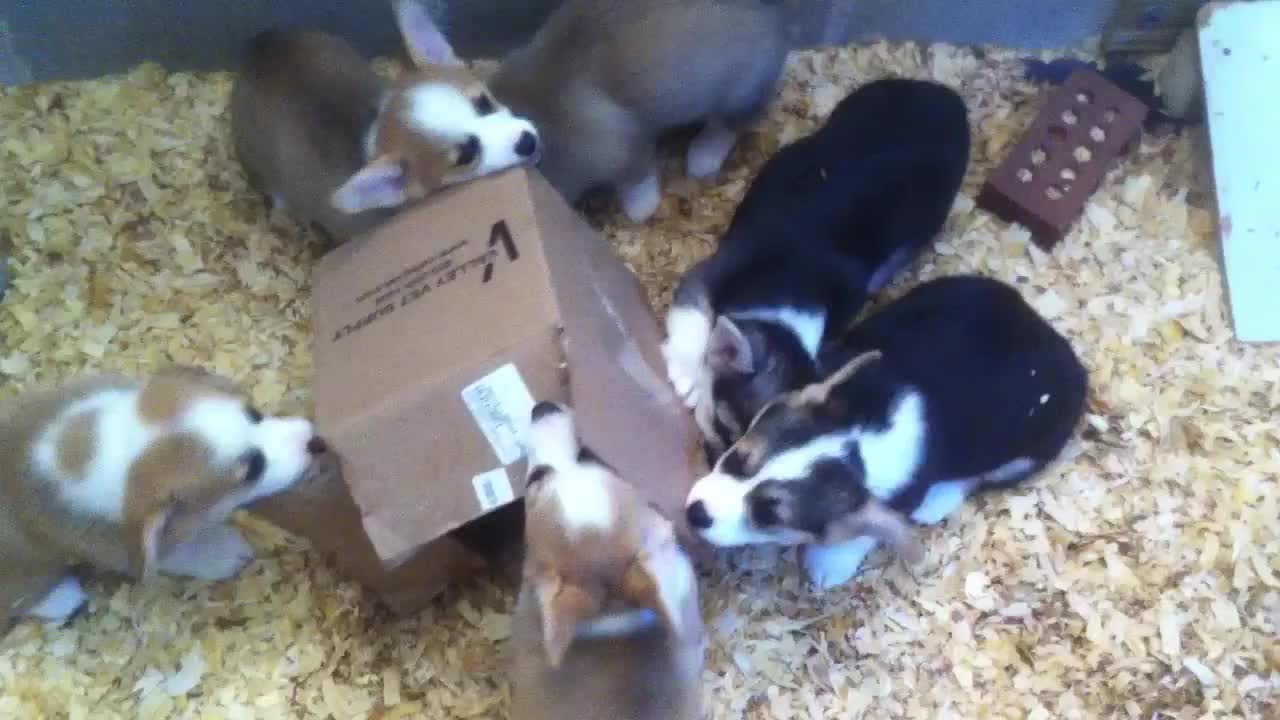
(68,39)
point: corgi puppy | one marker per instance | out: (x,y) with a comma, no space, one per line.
(957,388)
(603,79)
(321,135)
(607,623)
(831,219)
(133,477)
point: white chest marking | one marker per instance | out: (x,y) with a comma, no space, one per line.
(892,457)
(808,327)
(584,500)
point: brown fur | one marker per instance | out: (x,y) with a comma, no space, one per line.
(34,559)
(168,391)
(300,110)
(397,142)
(41,538)
(568,580)
(76,444)
(602,79)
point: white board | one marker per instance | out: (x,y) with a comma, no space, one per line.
(1240,60)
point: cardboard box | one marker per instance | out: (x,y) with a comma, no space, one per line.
(434,336)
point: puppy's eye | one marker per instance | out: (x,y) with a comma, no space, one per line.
(483,105)
(766,511)
(468,151)
(255,416)
(255,465)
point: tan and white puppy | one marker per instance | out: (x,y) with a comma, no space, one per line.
(604,79)
(134,477)
(321,134)
(607,623)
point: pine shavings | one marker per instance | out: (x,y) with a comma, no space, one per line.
(1139,577)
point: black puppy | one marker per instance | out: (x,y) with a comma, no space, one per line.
(958,387)
(832,217)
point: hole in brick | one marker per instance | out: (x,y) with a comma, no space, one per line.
(1110,115)
(1057,134)
(1097,134)
(1024,175)
(1068,174)
(1069,117)
(1082,154)
(1084,97)
(1038,156)
(1053,192)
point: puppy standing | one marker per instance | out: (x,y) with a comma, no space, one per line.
(958,387)
(134,477)
(320,134)
(831,218)
(607,624)
(602,79)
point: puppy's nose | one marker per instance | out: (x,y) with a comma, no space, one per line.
(697,515)
(527,144)
(316,445)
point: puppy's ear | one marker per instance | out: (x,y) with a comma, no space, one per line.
(817,393)
(886,525)
(423,39)
(159,532)
(562,606)
(380,184)
(661,579)
(156,536)
(728,349)
(552,437)
(154,540)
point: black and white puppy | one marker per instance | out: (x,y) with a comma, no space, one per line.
(832,217)
(956,388)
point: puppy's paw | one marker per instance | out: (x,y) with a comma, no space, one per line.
(685,351)
(60,603)
(682,372)
(708,151)
(640,201)
(829,566)
(218,552)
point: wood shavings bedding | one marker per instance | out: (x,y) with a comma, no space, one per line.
(1137,578)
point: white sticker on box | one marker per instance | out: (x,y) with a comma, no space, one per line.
(493,489)
(500,403)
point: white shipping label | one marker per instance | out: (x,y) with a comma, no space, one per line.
(493,489)
(500,403)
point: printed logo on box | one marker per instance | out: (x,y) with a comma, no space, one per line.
(500,404)
(493,489)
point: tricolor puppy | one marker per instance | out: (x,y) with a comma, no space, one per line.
(134,477)
(607,623)
(830,219)
(322,135)
(604,79)
(956,388)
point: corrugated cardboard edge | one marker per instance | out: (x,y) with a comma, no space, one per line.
(621,348)
(538,358)
(324,513)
